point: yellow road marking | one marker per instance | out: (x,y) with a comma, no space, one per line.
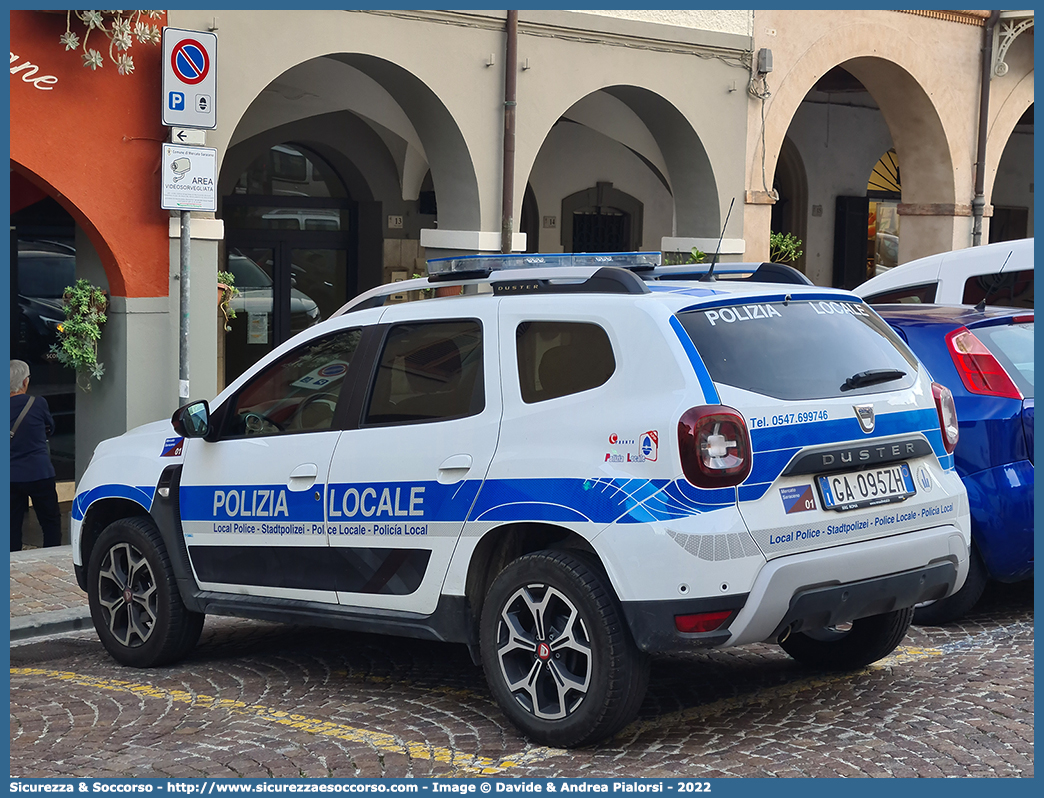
(463,762)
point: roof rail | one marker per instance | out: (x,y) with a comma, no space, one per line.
(765,272)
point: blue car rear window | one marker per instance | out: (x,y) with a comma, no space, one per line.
(1012,345)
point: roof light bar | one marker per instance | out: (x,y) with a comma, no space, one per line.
(483,265)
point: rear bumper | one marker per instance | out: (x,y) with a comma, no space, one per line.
(815,589)
(878,575)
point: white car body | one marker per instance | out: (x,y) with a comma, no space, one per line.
(308,527)
(944,278)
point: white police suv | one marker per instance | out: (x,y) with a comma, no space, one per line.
(564,467)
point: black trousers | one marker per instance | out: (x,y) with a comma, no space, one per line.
(45,503)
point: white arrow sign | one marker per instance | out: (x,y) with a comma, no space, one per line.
(189,137)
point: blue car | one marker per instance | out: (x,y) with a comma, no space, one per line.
(985,357)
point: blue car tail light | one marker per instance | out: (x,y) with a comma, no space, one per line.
(980,371)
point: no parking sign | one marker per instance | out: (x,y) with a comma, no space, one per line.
(189,78)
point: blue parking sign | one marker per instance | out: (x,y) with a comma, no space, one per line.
(176,101)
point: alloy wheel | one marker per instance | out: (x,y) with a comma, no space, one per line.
(544,651)
(127,593)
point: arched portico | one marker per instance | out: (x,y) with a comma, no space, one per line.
(931,140)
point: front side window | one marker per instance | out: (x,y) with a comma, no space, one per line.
(558,358)
(297,393)
(428,371)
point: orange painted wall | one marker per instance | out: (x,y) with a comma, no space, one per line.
(92,141)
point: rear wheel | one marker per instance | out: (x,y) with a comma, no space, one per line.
(134,600)
(951,608)
(864,641)
(557,655)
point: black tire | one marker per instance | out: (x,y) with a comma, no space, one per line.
(956,606)
(584,641)
(868,640)
(134,600)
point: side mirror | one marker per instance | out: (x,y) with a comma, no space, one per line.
(192,420)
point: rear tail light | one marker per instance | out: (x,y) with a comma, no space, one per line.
(1027,319)
(714,445)
(980,371)
(701,622)
(947,416)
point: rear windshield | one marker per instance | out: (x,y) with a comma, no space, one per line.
(801,349)
(1012,345)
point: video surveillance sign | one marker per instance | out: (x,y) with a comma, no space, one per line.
(189,178)
(189,79)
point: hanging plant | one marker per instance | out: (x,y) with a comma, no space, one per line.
(120,27)
(80,333)
(227,291)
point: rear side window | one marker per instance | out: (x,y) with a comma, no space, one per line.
(910,295)
(1007,289)
(428,371)
(1012,345)
(801,349)
(558,358)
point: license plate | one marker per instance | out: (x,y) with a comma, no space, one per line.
(853,489)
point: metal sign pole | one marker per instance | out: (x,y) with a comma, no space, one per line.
(183,348)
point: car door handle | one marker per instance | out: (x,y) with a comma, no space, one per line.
(454,468)
(303,477)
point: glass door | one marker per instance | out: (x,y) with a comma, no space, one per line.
(294,266)
(291,241)
(254,331)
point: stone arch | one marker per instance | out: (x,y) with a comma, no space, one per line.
(417,129)
(113,272)
(1015,104)
(883,66)
(659,134)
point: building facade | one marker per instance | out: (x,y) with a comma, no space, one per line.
(354,145)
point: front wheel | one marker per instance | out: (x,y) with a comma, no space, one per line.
(134,600)
(557,655)
(866,640)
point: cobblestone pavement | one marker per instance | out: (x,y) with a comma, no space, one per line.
(263,700)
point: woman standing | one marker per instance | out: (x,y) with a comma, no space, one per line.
(32,474)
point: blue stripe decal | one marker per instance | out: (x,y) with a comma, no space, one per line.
(599,501)
(774,447)
(795,436)
(142,496)
(710,393)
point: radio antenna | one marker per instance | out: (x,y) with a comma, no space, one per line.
(709,276)
(981,307)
